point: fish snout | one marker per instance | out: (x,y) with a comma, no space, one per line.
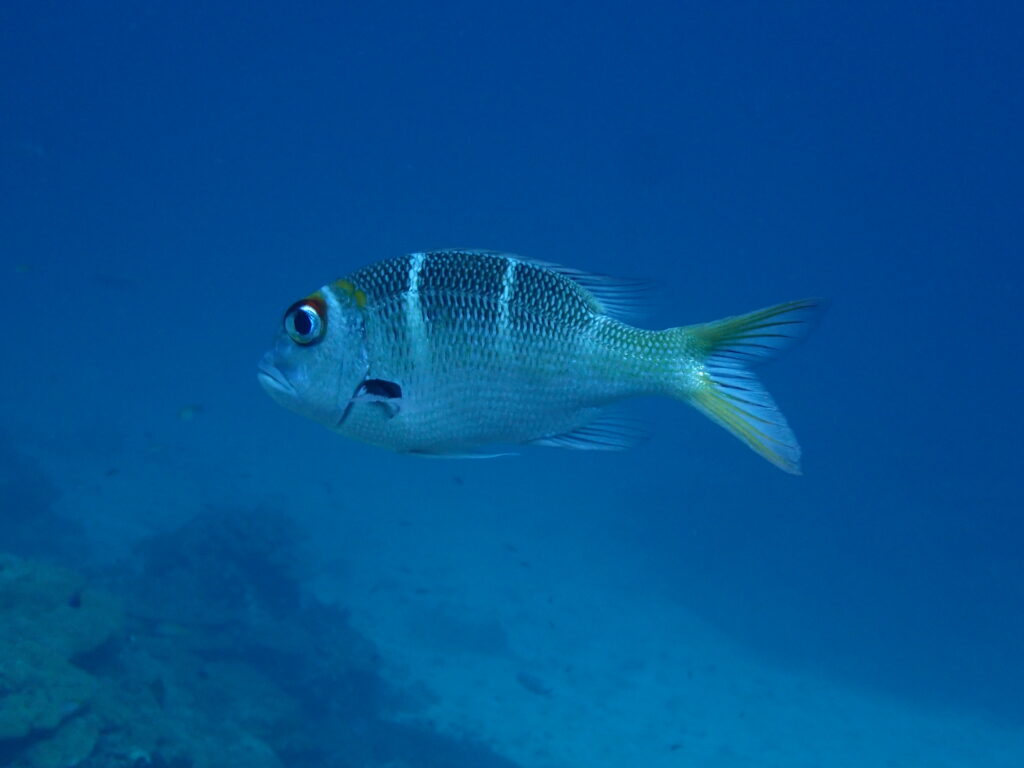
(273,380)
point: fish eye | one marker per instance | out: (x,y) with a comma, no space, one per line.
(303,324)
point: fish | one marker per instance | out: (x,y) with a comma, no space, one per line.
(190,412)
(459,353)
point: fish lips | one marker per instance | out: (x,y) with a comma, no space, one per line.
(274,382)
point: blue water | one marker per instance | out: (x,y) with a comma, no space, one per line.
(174,175)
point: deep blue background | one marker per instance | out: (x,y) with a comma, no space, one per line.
(172,175)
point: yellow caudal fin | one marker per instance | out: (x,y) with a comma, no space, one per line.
(726,388)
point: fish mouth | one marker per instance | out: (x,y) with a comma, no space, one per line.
(273,380)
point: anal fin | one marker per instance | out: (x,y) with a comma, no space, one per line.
(464,455)
(606,433)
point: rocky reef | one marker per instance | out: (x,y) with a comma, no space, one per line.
(52,623)
(204,652)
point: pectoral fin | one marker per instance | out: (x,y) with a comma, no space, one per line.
(379,389)
(380,393)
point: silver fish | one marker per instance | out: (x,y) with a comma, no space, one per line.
(452,352)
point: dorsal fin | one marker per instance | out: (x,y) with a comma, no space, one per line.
(617,297)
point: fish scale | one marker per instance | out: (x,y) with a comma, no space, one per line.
(508,366)
(452,352)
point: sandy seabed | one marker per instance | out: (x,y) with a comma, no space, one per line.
(553,670)
(555,663)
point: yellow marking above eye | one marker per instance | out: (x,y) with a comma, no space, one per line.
(351,290)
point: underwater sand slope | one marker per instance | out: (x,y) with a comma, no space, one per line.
(530,653)
(553,670)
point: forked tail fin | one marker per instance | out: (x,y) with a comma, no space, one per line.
(726,389)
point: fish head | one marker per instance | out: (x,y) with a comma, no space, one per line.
(319,358)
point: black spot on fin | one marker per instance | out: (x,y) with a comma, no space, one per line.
(389,390)
(380,393)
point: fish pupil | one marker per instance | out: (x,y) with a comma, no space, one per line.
(303,322)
